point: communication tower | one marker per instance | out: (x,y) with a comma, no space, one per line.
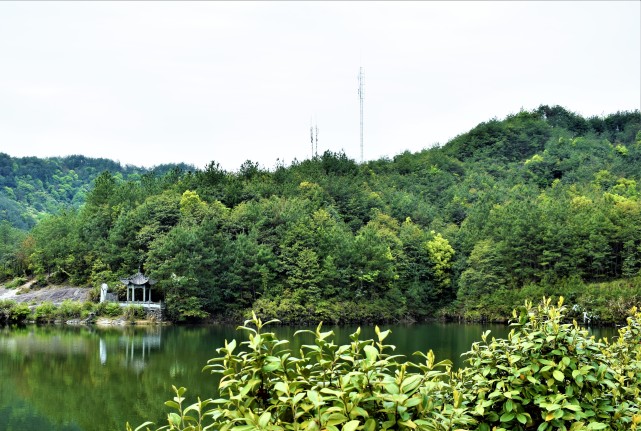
(311,138)
(360,97)
(316,152)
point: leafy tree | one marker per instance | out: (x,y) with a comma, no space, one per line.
(440,254)
(486,271)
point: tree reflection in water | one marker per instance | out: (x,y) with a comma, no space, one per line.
(63,378)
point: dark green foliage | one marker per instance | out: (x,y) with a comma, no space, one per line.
(31,187)
(536,199)
(516,138)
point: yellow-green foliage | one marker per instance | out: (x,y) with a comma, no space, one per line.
(548,375)
(440,253)
(551,375)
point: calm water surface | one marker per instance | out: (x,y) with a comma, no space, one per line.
(94,379)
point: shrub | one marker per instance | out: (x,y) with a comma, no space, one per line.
(547,375)
(134,312)
(19,313)
(94,294)
(109,309)
(5,308)
(45,312)
(359,385)
(69,309)
(13,312)
(18,281)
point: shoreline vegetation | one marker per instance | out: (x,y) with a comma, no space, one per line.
(72,312)
(597,304)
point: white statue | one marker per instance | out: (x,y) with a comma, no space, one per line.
(103,292)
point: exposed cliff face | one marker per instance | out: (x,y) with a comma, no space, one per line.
(51,294)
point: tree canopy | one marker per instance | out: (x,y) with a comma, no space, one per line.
(540,198)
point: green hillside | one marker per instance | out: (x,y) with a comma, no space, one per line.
(543,200)
(31,188)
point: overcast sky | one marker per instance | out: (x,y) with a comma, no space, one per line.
(147,83)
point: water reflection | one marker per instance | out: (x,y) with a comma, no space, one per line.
(86,378)
(96,379)
(132,348)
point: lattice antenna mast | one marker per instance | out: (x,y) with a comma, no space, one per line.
(311,136)
(361,95)
(316,152)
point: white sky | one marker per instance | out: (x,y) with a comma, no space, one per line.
(147,83)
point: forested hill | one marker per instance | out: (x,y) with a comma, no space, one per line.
(540,202)
(32,187)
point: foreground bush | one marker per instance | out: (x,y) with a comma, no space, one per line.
(552,376)
(548,375)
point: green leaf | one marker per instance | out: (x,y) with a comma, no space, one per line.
(371,353)
(336,419)
(140,427)
(358,411)
(408,423)
(231,345)
(509,406)
(263,420)
(392,388)
(174,419)
(411,383)
(351,425)
(281,387)
(558,375)
(315,398)
(172,404)
(271,366)
(506,417)
(543,426)
(370,425)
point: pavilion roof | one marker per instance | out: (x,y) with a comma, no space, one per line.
(138,279)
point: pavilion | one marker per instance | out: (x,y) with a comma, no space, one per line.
(138,281)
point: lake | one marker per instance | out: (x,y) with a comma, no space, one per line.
(62,378)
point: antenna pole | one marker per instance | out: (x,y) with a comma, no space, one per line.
(311,136)
(316,152)
(360,97)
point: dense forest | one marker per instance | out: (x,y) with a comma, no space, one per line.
(541,202)
(31,188)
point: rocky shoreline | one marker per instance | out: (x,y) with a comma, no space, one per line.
(54,294)
(57,296)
